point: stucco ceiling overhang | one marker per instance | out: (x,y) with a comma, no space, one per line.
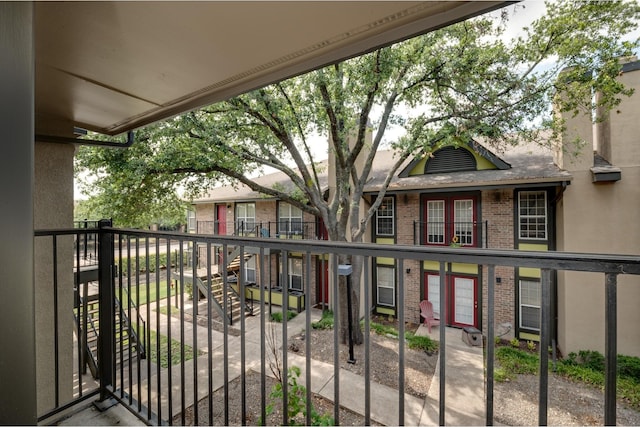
(114,66)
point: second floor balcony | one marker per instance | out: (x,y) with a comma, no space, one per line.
(138,302)
(455,234)
(290,229)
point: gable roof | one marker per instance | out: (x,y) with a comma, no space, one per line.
(474,146)
(527,164)
(242,193)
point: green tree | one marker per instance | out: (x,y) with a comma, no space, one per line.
(460,82)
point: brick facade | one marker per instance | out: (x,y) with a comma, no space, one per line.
(497,213)
(266,218)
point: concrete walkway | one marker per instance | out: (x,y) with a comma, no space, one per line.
(464,382)
(464,397)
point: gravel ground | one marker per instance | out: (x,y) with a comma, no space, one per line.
(419,366)
(570,403)
(254,405)
(515,401)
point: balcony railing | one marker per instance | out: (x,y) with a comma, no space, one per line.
(307,230)
(87,252)
(146,261)
(457,234)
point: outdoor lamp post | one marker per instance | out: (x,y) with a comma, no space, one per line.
(346,270)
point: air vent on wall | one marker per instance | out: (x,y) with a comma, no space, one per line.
(450,159)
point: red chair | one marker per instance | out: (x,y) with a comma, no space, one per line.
(426,311)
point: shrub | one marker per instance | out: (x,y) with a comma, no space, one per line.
(514,361)
(142,263)
(326,322)
(276,316)
(629,366)
(381,329)
(421,343)
(515,343)
(297,402)
(591,359)
(531,345)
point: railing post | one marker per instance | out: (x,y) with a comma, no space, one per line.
(442,349)
(611,351)
(491,274)
(106,299)
(545,331)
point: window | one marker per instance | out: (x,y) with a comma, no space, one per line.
(450,220)
(433,293)
(463,221)
(530,304)
(435,222)
(245,218)
(289,219)
(294,279)
(191,222)
(385,217)
(532,210)
(250,270)
(386,285)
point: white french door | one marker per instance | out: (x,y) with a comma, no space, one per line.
(462,296)
(464,301)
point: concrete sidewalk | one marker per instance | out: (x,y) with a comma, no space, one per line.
(464,382)
(464,397)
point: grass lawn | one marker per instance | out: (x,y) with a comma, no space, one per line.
(585,366)
(163,357)
(141,293)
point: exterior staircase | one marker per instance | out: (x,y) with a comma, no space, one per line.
(231,298)
(88,326)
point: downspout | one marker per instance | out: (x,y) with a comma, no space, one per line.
(93,142)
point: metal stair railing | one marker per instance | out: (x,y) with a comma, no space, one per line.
(133,334)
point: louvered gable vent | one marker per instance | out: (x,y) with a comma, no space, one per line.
(451,159)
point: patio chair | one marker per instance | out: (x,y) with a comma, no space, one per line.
(426,311)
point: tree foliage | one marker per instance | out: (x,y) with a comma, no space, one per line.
(445,87)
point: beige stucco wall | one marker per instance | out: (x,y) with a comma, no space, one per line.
(601,218)
(53,208)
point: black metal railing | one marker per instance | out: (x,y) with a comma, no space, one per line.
(290,229)
(166,394)
(456,234)
(86,243)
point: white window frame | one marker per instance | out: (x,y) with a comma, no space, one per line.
(386,211)
(529,303)
(463,227)
(247,218)
(292,217)
(295,269)
(532,216)
(436,228)
(250,270)
(433,293)
(388,270)
(191,221)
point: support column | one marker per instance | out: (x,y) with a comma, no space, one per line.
(17,364)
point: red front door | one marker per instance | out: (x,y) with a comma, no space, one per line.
(322,287)
(221,220)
